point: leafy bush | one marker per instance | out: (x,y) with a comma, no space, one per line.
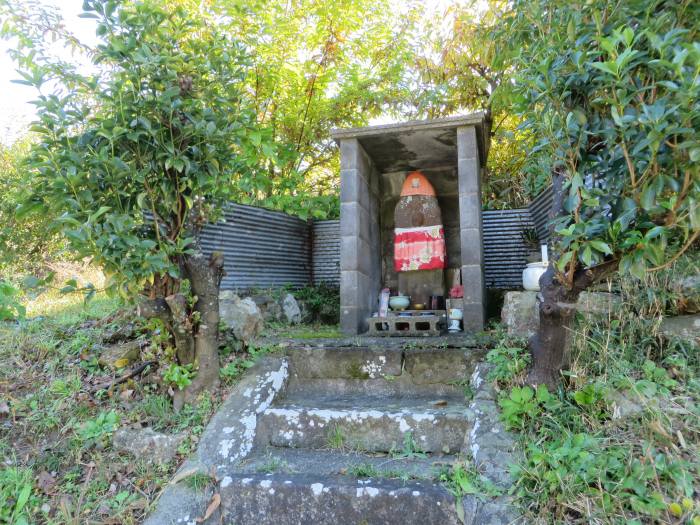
(584,460)
(10,307)
(100,427)
(509,362)
(178,375)
(322,302)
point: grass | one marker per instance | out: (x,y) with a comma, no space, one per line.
(303,331)
(619,442)
(335,438)
(59,465)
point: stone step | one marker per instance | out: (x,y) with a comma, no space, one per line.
(299,499)
(282,460)
(375,424)
(419,366)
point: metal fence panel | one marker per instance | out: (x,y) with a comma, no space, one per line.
(262,248)
(325,252)
(505,250)
(539,209)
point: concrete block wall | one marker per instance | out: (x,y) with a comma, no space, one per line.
(360,263)
(471,231)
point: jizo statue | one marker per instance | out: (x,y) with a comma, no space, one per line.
(419,240)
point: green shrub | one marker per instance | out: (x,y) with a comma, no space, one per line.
(10,307)
(322,302)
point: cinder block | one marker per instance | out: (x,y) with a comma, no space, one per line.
(355,254)
(351,322)
(470,241)
(350,181)
(474,317)
(473,283)
(350,213)
(466,143)
(349,150)
(470,210)
(351,287)
(469,176)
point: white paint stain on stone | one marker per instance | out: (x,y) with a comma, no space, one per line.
(243,433)
(366,491)
(317,488)
(266,483)
(226,481)
(246,481)
(415,493)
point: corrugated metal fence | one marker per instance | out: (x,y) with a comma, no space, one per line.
(539,210)
(505,250)
(325,252)
(264,248)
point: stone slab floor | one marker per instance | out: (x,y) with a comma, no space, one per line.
(340,433)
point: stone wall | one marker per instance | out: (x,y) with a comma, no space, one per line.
(360,249)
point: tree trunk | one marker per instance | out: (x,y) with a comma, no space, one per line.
(195,331)
(205,277)
(549,346)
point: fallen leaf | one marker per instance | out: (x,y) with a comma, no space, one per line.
(121,363)
(439,403)
(126,394)
(45,482)
(213,505)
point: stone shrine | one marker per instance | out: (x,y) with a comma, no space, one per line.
(377,164)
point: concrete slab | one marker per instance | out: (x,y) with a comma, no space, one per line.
(295,499)
(374,425)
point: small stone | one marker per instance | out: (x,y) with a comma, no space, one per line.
(519,313)
(241,316)
(145,443)
(291,310)
(682,326)
(120,355)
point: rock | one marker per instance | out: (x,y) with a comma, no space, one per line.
(682,326)
(291,310)
(120,355)
(688,290)
(270,309)
(520,314)
(597,303)
(146,443)
(241,316)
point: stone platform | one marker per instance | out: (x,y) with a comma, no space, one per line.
(349,434)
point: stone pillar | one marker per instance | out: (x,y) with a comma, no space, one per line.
(471,240)
(360,263)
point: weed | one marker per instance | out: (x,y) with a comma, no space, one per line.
(198,481)
(178,375)
(410,448)
(274,464)
(367,470)
(16,496)
(582,461)
(355,371)
(101,427)
(364,470)
(335,439)
(463,480)
(509,362)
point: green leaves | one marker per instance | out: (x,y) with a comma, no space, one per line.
(612,96)
(10,306)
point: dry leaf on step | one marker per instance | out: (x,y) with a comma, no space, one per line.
(213,505)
